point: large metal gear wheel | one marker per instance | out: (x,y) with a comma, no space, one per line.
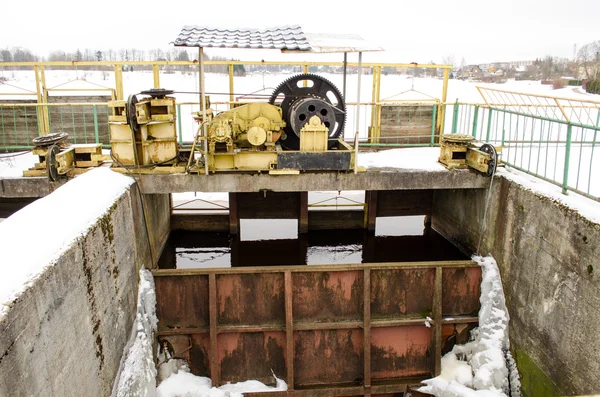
(292,90)
(493,161)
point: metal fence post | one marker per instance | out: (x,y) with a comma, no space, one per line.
(489,126)
(475,121)
(96,134)
(567,160)
(433,123)
(455,116)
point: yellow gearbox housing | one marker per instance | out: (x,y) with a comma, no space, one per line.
(257,126)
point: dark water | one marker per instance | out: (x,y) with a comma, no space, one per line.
(205,250)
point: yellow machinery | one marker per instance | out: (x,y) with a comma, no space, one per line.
(57,157)
(461,151)
(150,123)
(300,129)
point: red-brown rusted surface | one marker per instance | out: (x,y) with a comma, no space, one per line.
(182,302)
(328,357)
(251,355)
(327,296)
(250,299)
(329,329)
(460,291)
(398,352)
(397,293)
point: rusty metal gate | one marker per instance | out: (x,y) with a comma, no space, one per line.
(334,330)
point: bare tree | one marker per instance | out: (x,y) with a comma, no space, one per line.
(588,59)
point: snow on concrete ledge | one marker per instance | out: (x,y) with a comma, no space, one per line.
(484,366)
(422,159)
(35,237)
(586,207)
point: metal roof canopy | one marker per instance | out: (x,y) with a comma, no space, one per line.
(287,39)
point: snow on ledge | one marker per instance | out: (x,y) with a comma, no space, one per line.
(586,207)
(35,237)
(421,159)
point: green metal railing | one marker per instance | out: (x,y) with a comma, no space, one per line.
(560,151)
(85,123)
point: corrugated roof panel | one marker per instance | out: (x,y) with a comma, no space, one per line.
(281,38)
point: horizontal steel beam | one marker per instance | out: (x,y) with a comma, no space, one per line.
(315,268)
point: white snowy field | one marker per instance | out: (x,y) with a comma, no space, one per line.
(393,87)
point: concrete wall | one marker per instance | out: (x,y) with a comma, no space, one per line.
(548,256)
(66,333)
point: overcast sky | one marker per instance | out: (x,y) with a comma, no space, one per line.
(417,30)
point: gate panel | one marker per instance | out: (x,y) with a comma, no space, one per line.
(327,296)
(182,302)
(398,293)
(250,299)
(251,355)
(336,329)
(398,352)
(460,291)
(328,357)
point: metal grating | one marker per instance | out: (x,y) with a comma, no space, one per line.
(280,38)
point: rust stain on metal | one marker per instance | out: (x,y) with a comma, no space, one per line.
(401,292)
(461,290)
(398,352)
(250,299)
(182,302)
(328,357)
(328,296)
(251,355)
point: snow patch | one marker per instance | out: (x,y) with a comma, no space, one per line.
(406,158)
(138,372)
(481,367)
(183,383)
(71,211)
(588,208)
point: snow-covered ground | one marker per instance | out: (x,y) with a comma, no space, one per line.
(483,367)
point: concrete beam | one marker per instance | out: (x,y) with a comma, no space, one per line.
(246,182)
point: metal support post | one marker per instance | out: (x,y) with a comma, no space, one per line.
(358,92)
(567,159)
(231,98)
(156,75)
(442,116)
(455,116)
(203,106)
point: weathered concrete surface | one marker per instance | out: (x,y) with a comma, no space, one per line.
(548,256)
(245,182)
(66,333)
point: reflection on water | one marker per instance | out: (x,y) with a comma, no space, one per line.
(206,250)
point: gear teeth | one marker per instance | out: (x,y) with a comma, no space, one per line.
(311,76)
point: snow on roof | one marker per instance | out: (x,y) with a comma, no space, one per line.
(280,38)
(86,198)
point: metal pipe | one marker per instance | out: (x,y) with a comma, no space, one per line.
(203,106)
(345,71)
(358,92)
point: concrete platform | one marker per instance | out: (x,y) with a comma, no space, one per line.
(373,179)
